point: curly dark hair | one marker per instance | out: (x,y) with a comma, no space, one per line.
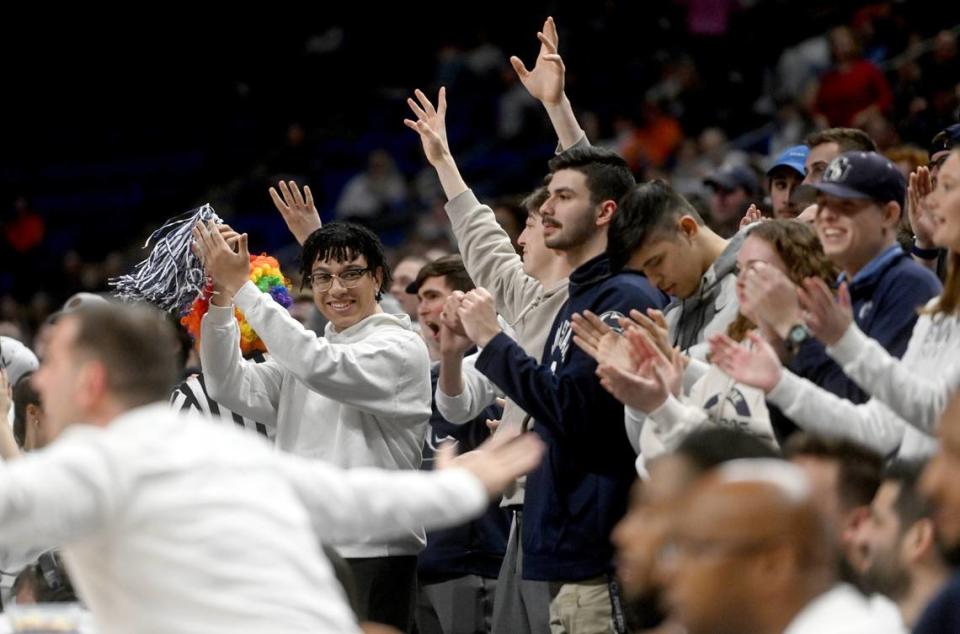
(799,248)
(343,242)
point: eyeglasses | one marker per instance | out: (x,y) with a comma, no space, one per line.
(324,281)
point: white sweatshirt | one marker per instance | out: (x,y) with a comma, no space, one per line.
(930,358)
(169,526)
(713,399)
(357,398)
(917,399)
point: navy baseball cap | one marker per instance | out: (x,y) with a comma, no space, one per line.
(793,157)
(730,178)
(945,140)
(865,175)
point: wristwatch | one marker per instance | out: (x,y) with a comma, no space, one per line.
(925,254)
(797,334)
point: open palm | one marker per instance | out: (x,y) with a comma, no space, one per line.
(431,125)
(546,81)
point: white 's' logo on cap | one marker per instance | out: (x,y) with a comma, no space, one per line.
(837,170)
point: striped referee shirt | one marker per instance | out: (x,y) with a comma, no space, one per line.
(191,395)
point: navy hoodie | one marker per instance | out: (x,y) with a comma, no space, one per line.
(580,490)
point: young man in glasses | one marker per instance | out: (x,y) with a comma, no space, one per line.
(357,397)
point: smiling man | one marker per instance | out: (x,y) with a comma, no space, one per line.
(357,397)
(859,203)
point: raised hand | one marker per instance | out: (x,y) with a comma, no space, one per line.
(758,366)
(546,81)
(6,397)
(752,216)
(430,125)
(297,209)
(919,186)
(827,319)
(229,269)
(8,444)
(770,297)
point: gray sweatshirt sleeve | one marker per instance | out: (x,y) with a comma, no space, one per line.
(916,399)
(814,409)
(489,256)
(247,388)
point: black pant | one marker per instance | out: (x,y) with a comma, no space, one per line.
(386,589)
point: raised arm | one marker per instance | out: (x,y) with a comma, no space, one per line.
(488,253)
(250,389)
(8,444)
(297,209)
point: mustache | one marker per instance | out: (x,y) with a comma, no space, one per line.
(549,222)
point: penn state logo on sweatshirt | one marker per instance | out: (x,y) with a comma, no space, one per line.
(564,337)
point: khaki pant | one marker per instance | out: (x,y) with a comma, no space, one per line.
(582,608)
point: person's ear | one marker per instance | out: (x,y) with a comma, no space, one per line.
(607,209)
(688,227)
(92,383)
(891,214)
(33,413)
(920,539)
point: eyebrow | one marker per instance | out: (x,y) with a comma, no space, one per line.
(566,190)
(324,269)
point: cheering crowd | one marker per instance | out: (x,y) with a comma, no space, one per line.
(634,415)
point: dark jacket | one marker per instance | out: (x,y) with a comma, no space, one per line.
(580,490)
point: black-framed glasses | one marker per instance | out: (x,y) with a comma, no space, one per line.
(348,279)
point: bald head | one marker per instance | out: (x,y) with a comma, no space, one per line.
(751,550)
(940,477)
(758,501)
